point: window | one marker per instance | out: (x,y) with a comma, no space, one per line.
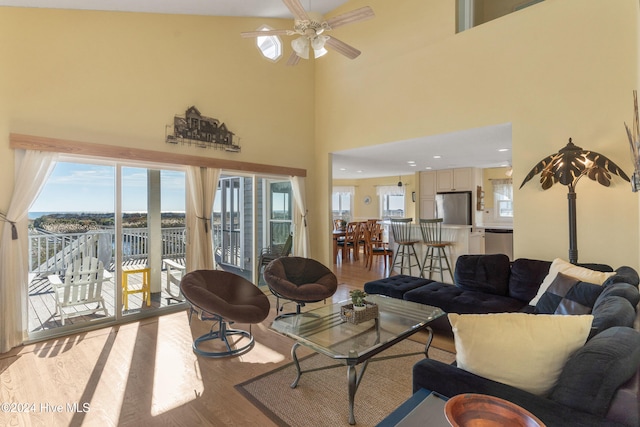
(472,13)
(342,202)
(109,211)
(503,198)
(281,212)
(269,46)
(228,221)
(391,201)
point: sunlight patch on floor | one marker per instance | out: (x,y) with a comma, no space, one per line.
(262,354)
(177,379)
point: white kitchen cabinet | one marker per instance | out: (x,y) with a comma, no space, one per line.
(427,207)
(427,195)
(460,179)
(428,184)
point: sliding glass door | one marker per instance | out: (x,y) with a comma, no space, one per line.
(130,219)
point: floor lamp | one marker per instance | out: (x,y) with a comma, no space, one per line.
(567,166)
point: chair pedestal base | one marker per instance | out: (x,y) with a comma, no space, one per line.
(212,335)
(223,333)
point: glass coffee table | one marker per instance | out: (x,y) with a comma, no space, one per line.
(324,331)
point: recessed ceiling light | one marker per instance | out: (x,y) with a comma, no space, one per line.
(359,171)
(437,157)
(503,150)
(411,162)
(343,169)
(428,167)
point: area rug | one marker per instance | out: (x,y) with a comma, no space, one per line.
(321,398)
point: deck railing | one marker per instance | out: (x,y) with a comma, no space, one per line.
(52,252)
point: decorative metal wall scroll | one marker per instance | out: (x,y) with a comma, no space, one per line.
(201,131)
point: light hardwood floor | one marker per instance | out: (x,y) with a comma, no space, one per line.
(145,373)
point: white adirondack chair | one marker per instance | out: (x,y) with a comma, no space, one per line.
(82,285)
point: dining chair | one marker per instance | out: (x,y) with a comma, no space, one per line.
(375,246)
(350,241)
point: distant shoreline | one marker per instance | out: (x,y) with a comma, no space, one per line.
(35,215)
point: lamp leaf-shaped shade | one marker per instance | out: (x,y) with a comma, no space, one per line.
(571,163)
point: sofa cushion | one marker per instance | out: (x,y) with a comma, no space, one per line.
(612,311)
(394,286)
(453,299)
(567,295)
(527,351)
(624,274)
(594,372)
(484,273)
(582,273)
(621,289)
(526,276)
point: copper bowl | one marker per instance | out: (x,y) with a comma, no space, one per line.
(479,410)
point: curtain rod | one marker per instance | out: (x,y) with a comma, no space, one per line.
(30,142)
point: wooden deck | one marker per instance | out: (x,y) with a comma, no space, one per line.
(42,305)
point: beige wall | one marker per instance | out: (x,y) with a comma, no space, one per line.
(119,78)
(560,69)
(564,68)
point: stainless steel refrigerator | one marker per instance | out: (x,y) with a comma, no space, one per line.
(454,207)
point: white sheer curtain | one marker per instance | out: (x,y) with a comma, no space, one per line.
(503,188)
(32,170)
(201,188)
(389,190)
(344,189)
(301,231)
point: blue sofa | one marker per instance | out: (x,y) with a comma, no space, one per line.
(493,284)
(600,384)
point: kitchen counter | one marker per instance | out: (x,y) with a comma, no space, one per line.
(495,227)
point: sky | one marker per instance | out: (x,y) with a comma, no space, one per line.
(75,187)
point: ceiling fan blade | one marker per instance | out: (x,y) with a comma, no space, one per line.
(356,15)
(293,59)
(265,33)
(343,48)
(296,8)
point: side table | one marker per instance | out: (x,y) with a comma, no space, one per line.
(423,408)
(145,289)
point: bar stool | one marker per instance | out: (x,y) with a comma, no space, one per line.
(401,229)
(435,253)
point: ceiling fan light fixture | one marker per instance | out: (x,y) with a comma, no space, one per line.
(317,44)
(317,53)
(300,46)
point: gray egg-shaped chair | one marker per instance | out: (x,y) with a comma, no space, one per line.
(224,298)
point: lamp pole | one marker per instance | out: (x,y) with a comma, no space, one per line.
(573,234)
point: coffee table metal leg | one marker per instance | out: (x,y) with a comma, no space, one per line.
(352,375)
(354,382)
(428,343)
(294,384)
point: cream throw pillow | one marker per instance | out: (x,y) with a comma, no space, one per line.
(571,270)
(527,351)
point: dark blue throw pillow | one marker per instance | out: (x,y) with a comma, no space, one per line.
(567,295)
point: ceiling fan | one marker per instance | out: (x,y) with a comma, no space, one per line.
(311,28)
